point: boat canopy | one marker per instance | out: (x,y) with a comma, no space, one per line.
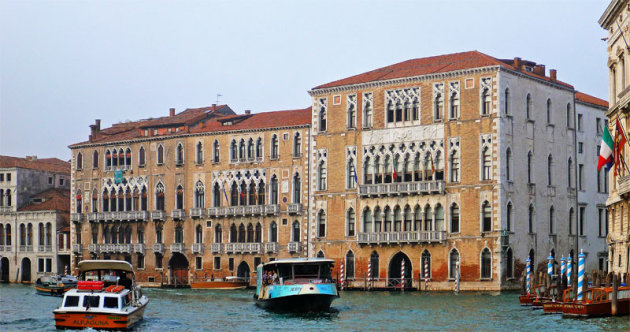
(115,265)
(299,261)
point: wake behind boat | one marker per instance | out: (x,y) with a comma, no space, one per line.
(299,285)
(104,298)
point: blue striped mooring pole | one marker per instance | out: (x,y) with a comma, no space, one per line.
(529,268)
(569,269)
(550,265)
(563,267)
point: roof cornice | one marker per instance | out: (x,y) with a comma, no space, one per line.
(610,13)
(164,138)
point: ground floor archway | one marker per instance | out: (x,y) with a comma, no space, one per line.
(395,266)
(243,270)
(26,270)
(178,265)
(4,269)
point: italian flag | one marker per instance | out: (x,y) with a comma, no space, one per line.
(606,151)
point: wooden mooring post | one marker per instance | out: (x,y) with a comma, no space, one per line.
(613,297)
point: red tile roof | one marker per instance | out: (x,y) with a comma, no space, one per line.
(53,165)
(51,199)
(261,120)
(433,65)
(583,97)
(129,130)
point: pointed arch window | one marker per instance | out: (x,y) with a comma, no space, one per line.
(350,174)
(454,218)
(261,193)
(200,195)
(108,159)
(160,155)
(428,218)
(121,158)
(250,233)
(570,173)
(528,106)
(216,152)
(105,200)
(549,111)
(486,216)
(128,200)
(295,234)
(508,218)
(95,159)
(143,199)
(407,226)
(506,101)
(251,194)
(218,234)
(569,117)
(274,147)
(251,149)
(438,106)
(397,219)
(273,232)
(321,223)
(455,168)
(140,234)
(241,150)
(234,194)
(486,102)
(233,151)
(378,219)
(549,170)
(114,158)
(439,218)
(259,149)
(486,164)
(551,221)
(79,200)
(258,233)
(216,195)
(351,111)
(233,234)
(322,174)
(159,197)
(530,219)
(274,190)
(367,220)
(454,104)
(349,265)
(296,188)
(128,158)
(389,217)
(508,162)
(417,218)
(141,157)
(350,222)
(241,233)
(94,200)
(179,234)
(486,264)
(79,161)
(322,116)
(199,154)
(179,198)
(529,167)
(367,110)
(368,172)
(509,269)
(297,145)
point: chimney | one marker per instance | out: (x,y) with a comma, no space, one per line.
(95,130)
(31,158)
(171,112)
(517,63)
(248,112)
(552,74)
(539,70)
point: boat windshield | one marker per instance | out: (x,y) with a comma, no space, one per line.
(302,272)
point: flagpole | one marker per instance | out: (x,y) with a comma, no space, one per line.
(625,137)
(623,131)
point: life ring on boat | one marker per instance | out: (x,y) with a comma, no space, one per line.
(114,289)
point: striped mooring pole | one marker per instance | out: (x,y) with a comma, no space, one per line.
(457,276)
(528,275)
(426,274)
(581,259)
(563,267)
(342,279)
(550,265)
(369,274)
(402,275)
(569,269)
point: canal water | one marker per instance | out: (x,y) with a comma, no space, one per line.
(220,310)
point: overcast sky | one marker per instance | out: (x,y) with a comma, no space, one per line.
(65,63)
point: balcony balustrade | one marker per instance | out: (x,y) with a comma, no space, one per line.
(197,248)
(197,213)
(93,248)
(76,217)
(295,208)
(48,248)
(5,248)
(158,247)
(243,248)
(402,237)
(158,215)
(41,248)
(402,188)
(178,247)
(294,247)
(92,217)
(6,209)
(178,214)
(271,247)
(141,215)
(215,248)
(138,248)
(243,211)
(77,248)
(124,248)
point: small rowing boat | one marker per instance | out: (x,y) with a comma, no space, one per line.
(228,283)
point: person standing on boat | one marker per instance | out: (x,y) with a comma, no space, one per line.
(124,281)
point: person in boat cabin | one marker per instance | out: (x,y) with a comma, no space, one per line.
(124,281)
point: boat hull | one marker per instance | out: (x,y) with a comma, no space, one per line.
(551,307)
(97,320)
(525,300)
(51,291)
(595,309)
(298,303)
(218,285)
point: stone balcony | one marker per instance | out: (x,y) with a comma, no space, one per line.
(178,214)
(178,247)
(623,185)
(159,215)
(402,237)
(243,211)
(141,215)
(93,248)
(76,217)
(6,209)
(197,248)
(138,248)
(294,208)
(158,248)
(243,248)
(197,213)
(26,248)
(215,248)
(93,217)
(77,248)
(5,248)
(271,247)
(402,188)
(294,247)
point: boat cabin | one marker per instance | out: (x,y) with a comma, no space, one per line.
(296,271)
(103,301)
